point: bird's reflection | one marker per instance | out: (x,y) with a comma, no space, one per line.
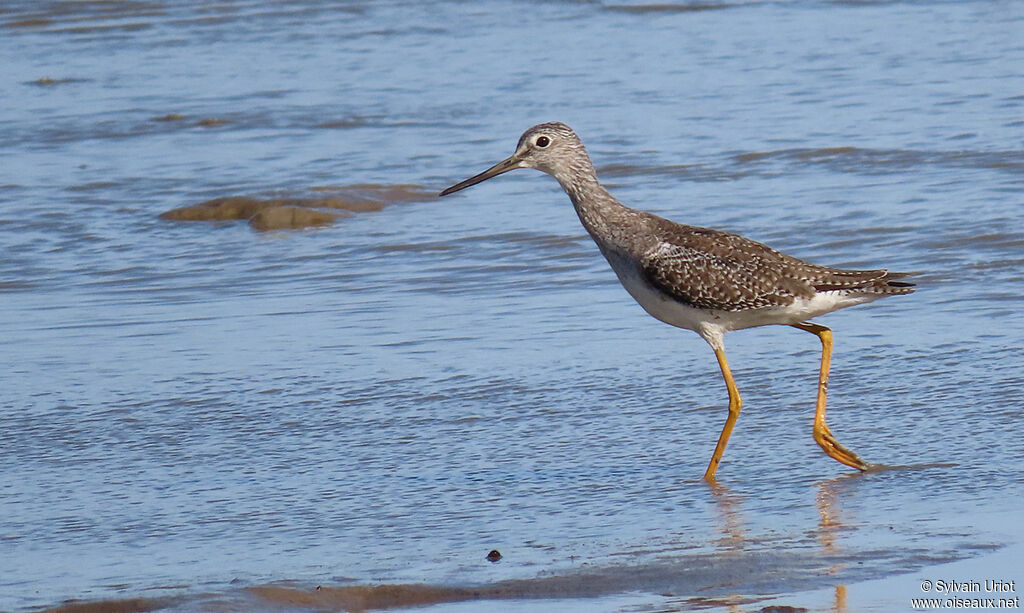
(833,519)
(732,531)
(729,516)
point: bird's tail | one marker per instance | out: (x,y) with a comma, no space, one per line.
(867,281)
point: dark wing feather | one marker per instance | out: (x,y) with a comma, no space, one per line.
(710,269)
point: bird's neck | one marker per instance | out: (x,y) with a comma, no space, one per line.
(599,211)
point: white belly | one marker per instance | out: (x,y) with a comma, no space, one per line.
(656,303)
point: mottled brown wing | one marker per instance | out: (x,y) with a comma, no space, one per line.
(710,269)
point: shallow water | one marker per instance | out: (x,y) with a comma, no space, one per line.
(197,411)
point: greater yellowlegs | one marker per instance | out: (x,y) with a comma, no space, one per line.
(704,280)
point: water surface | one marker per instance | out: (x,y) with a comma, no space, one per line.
(203,416)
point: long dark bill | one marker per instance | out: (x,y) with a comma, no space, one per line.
(501,167)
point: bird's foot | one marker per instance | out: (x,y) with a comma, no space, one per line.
(823,436)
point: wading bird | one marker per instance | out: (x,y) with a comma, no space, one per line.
(704,280)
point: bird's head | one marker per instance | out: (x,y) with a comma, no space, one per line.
(549,147)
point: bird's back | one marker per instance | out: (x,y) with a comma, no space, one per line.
(711,269)
(686,274)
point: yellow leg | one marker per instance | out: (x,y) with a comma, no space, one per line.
(822,435)
(734,412)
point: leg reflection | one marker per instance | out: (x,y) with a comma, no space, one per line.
(732,529)
(730,524)
(831,523)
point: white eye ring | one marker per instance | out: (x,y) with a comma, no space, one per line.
(542,141)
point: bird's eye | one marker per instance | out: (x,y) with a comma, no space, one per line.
(543,141)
